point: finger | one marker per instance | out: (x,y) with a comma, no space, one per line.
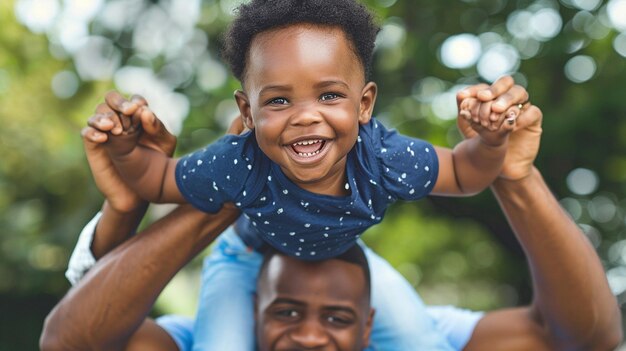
(499,87)
(138,100)
(507,121)
(107,116)
(118,103)
(466,106)
(474,110)
(236,126)
(149,121)
(469,92)
(531,116)
(517,94)
(484,114)
(93,136)
(105,122)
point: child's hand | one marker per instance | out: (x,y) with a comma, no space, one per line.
(108,180)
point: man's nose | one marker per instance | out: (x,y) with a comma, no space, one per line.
(310,334)
(306,115)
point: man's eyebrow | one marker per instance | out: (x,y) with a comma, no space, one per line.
(287,300)
(345,309)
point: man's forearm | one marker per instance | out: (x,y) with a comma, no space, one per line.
(572,297)
(477,164)
(113,299)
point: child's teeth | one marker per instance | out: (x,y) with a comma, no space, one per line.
(307,142)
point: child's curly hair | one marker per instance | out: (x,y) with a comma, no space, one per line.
(261,15)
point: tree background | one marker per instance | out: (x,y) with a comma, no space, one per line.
(58,58)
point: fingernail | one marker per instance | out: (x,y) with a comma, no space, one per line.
(126,105)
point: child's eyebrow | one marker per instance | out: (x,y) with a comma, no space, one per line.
(327,83)
(319,85)
(265,89)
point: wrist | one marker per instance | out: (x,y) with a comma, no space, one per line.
(495,143)
(524,181)
(126,210)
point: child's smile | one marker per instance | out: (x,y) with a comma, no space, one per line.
(308,151)
(305,96)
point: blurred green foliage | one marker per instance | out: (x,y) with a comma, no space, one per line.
(456,251)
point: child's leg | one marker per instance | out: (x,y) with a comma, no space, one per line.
(401,321)
(225,317)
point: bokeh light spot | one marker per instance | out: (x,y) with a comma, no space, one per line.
(573,207)
(460,51)
(545,24)
(98,59)
(619,44)
(211,75)
(616,10)
(65,84)
(392,34)
(498,60)
(580,69)
(588,5)
(37,15)
(582,181)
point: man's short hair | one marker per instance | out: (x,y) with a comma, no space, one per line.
(354,255)
(261,15)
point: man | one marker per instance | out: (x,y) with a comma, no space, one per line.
(573,307)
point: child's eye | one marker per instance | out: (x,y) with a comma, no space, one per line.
(329,96)
(278,101)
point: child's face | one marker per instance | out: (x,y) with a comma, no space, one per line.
(305,95)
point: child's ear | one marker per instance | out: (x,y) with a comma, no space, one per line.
(368,99)
(244,108)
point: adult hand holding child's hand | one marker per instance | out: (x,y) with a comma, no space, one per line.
(507,104)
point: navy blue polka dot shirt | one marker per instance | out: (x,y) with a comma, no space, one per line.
(383,166)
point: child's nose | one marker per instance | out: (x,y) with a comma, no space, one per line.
(306,115)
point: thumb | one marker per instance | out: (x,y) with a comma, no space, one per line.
(531,116)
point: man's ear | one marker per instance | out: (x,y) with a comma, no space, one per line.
(244,108)
(368,328)
(368,99)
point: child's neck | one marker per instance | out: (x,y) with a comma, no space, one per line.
(332,185)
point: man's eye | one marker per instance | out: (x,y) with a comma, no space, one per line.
(329,96)
(278,101)
(338,320)
(287,313)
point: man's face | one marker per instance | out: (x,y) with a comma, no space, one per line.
(305,96)
(312,306)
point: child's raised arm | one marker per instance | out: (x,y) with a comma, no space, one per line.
(147,171)
(490,113)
